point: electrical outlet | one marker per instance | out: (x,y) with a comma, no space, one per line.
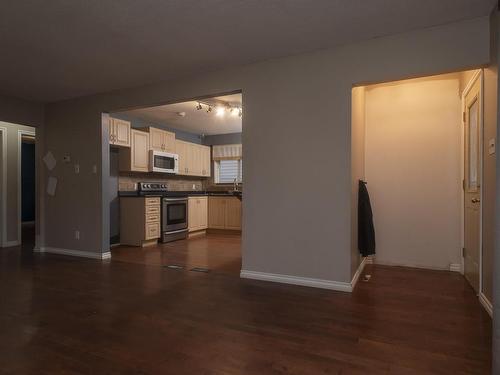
(77,234)
(194,186)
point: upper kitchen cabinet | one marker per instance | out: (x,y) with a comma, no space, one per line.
(194,159)
(119,132)
(161,140)
(136,158)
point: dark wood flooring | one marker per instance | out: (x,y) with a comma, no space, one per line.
(220,253)
(62,315)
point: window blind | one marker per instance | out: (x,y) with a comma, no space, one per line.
(225,152)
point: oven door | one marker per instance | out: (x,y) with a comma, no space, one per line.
(174,214)
(163,162)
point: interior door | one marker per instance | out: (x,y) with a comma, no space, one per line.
(472,183)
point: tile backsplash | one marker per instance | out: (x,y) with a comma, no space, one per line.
(128,181)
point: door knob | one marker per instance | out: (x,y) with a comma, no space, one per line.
(475,200)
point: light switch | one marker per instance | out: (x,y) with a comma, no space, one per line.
(94,169)
(77,168)
(491,146)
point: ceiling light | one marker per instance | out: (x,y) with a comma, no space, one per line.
(220,111)
(198,107)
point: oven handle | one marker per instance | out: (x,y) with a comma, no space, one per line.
(174,199)
(176,231)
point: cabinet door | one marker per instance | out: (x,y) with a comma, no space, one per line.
(111,130)
(193,221)
(156,139)
(233,214)
(195,159)
(181,150)
(216,212)
(139,151)
(205,161)
(202,207)
(169,141)
(121,133)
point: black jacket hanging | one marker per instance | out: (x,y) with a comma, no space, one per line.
(366,230)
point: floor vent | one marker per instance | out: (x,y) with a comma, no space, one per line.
(200,269)
(174,267)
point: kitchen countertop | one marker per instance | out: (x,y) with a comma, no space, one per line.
(181,193)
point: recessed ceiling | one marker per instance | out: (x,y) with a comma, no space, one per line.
(58,49)
(193,121)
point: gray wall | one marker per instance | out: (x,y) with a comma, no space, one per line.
(357,167)
(296,103)
(140,123)
(222,139)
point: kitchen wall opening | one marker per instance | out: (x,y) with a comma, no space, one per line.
(415,143)
(176,183)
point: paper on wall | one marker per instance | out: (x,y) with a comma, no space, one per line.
(50,161)
(51,186)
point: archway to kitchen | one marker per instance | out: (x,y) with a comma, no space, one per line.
(175,184)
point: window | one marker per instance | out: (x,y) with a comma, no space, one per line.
(226,171)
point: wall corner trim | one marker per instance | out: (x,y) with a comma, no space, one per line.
(455,267)
(75,253)
(305,281)
(486,304)
(358,273)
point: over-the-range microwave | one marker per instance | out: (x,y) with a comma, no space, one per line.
(163,162)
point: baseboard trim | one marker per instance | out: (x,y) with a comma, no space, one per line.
(296,280)
(11,243)
(455,267)
(75,253)
(486,304)
(358,273)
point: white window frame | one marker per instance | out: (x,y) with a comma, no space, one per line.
(217,169)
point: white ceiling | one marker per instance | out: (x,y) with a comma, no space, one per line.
(57,49)
(195,121)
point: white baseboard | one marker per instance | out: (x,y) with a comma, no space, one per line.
(455,267)
(11,243)
(486,304)
(358,273)
(296,280)
(75,253)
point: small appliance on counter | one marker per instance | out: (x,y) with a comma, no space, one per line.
(174,210)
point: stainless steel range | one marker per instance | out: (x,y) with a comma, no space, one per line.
(174,211)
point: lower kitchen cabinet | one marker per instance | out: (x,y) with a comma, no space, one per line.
(224,213)
(139,220)
(197,213)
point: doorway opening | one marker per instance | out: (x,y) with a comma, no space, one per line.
(418,144)
(28,188)
(175,184)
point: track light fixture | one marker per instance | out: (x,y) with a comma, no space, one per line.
(220,109)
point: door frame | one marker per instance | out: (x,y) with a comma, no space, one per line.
(3,205)
(478,75)
(20,134)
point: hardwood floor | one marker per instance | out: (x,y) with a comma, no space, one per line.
(62,315)
(220,253)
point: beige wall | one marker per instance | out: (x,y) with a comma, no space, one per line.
(297,119)
(357,167)
(413,169)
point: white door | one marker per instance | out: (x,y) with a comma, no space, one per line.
(472,183)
